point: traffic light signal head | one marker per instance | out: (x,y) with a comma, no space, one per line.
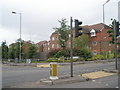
(78,29)
(117,28)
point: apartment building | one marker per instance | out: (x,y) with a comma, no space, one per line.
(98,39)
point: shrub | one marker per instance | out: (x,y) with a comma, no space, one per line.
(80,59)
(52,60)
(111,56)
(84,53)
(74,60)
(61,59)
(90,59)
(119,55)
(67,61)
(63,52)
(98,57)
(52,53)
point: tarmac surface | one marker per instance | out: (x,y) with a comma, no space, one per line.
(78,78)
(63,80)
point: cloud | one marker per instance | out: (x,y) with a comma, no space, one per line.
(40,16)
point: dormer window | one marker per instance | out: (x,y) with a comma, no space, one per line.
(53,38)
(93,33)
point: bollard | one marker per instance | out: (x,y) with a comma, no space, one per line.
(53,71)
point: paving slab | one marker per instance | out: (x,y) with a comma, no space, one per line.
(99,74)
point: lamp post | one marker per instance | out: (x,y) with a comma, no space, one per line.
(103,10)
(20,33)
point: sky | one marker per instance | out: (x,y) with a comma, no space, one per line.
(39,17)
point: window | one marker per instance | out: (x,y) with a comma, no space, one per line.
(57,45)
(57,38)
(48,49)
(94,43)
(109,44)
(48,44)
(92,33)
(45,45)
(53,45)
(117,46)
(69,35)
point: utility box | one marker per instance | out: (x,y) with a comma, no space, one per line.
(53,71)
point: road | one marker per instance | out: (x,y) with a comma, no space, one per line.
(12,75)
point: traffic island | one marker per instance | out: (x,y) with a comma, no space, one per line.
(110,71)
(64,80)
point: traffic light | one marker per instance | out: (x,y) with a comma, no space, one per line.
(78,29)
(117,28)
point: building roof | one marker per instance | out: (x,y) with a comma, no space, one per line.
(54,33)
(96,27)
(41,43)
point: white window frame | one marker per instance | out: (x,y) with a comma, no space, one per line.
(93,33)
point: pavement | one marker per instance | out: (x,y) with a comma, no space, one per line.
(66,79)
(78,78)
(63,80)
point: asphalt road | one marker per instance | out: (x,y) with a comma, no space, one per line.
(13,75)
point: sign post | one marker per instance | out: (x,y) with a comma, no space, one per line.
(71,49)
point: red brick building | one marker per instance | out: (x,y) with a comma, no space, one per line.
(54,41)
(98,39)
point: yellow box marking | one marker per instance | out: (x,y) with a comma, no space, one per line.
(95,75)
(45,65)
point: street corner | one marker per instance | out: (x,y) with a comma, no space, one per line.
(96,75)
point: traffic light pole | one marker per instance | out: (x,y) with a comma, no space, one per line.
(115,43)
(71,49)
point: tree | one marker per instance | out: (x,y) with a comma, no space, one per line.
(14,49)
(84,53)
(17,48)
(63,32)
(32,51)
(4,51)
(81,42)
(63,52)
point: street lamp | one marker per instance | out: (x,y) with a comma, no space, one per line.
(20,32)
(103,10)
